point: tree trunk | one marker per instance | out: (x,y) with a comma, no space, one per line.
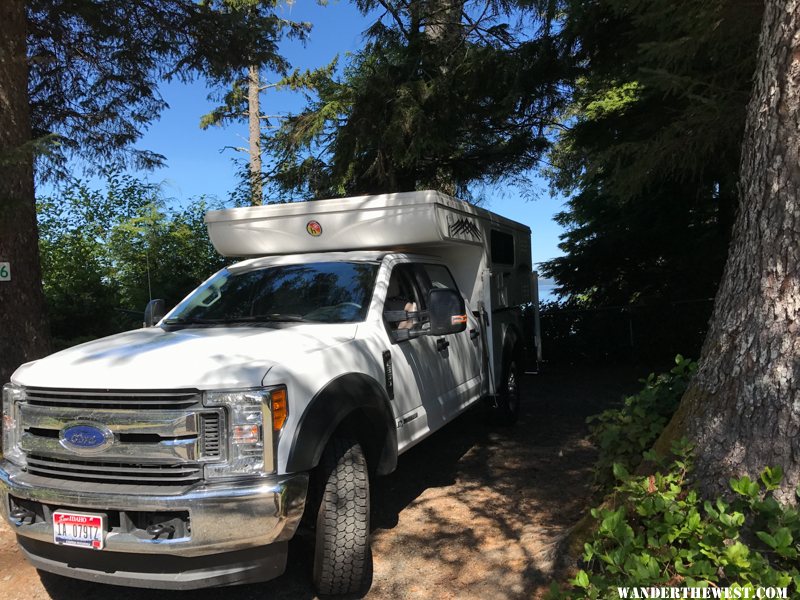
(443,29)
(254,118)
(443,20)
(23,324)
(743,408)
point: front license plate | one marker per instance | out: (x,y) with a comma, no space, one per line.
(78,529)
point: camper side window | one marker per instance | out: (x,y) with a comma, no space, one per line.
(501,247)
(402,303)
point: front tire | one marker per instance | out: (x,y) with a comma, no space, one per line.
(342,558)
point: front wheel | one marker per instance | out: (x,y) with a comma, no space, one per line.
(342,559)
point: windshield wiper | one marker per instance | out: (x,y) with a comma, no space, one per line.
(275,318)
(192,321)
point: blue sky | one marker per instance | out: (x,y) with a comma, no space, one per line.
(198,164)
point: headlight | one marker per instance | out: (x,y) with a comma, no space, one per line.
(13,396)
(254,419)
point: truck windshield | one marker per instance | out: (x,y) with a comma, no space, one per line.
(331,292)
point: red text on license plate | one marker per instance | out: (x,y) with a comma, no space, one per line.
(77,529)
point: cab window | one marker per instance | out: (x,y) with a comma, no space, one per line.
(437,276)
(405,309)
(403,297)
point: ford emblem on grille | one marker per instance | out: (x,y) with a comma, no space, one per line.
(86,438)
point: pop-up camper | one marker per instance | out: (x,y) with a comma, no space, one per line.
(488,255)
(185,454)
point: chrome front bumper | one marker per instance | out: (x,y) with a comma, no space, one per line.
(224,518)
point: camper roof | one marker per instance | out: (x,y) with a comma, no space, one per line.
(386,221)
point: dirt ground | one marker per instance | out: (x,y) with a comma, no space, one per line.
(475,511)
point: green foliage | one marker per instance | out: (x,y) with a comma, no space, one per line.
(95,68)
(243,33)
(651,333)
(238,83)
(161,253)
(103,252)
(650,146)
(658,531)
(439,97)
(258,47)
(624,434)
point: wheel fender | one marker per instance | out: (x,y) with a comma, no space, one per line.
(353,400)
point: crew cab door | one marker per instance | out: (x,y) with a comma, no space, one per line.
(459,353)
(420,383)
(434,377)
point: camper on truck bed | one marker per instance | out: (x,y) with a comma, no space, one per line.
(185,454)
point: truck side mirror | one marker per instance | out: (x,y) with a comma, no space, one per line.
(154,312)
(446,311)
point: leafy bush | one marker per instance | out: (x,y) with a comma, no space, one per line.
(579,330)
(623,434)
(105,252)
(657,531)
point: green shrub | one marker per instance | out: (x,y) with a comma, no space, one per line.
(106,252)
(623,434)
(657,531)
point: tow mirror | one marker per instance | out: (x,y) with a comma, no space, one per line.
(447,311)
(154,312)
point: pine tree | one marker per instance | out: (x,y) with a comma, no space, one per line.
(742,409)
(648,149)
(243,87)
(444,93)
(23,326)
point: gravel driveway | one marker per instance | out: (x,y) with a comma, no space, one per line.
(472,512)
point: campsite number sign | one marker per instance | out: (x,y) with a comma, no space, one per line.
(5,271)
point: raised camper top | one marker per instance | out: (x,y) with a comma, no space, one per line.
(411,221)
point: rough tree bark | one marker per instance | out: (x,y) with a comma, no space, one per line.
(23,324)
(254,132)
(443,20)
(743,408)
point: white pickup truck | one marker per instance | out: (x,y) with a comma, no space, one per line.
(184,454)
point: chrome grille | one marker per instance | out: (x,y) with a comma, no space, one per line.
(109,472)
(161,438)
(93,399)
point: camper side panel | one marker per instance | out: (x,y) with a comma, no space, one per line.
(510,288)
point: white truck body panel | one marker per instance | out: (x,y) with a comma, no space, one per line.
(205,359)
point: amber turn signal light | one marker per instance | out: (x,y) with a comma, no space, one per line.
(279,409)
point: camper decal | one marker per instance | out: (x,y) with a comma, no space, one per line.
(314,229)
(464,227)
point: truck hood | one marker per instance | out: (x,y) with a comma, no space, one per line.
(203,358)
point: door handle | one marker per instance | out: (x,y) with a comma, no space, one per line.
(473,333)
(442,344)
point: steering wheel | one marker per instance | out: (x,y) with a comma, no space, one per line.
(347,305)
(333,311)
